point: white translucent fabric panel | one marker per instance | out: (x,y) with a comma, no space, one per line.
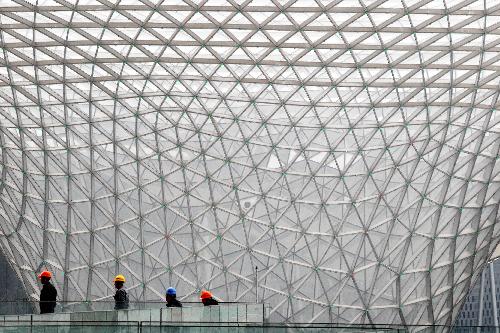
(347,149)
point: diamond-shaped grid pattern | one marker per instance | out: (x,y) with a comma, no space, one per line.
(348,149)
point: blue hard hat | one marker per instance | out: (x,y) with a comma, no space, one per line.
(171,291)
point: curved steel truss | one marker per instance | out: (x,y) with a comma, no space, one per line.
(347,149)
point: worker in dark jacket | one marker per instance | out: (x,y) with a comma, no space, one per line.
(121,297)
(207,298)
(48,294)
(171,298)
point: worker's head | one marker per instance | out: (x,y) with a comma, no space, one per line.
(45,277)
(119,280)
(205,296)
(170,294)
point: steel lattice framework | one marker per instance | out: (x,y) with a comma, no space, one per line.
(348,149)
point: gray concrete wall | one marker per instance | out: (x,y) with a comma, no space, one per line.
(13,298)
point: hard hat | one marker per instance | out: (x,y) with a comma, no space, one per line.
(119,278)
(171,291)
(205,294)
(45,274)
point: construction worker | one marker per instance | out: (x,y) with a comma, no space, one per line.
(48,294)
(171,298)
(207,298)
(121,297)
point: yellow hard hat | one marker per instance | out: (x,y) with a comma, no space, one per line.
(119,278)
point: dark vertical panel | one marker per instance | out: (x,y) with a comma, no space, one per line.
(13,299)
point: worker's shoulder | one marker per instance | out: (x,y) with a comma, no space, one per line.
(48,286)
(52,288)
(122,293)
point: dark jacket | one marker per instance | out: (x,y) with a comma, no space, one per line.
(210,301)
(121,300)
(174,303)
(48,297)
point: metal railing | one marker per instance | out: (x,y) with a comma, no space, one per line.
(157,327)
(143,311)
(97,316)
(18,307)
(177,327)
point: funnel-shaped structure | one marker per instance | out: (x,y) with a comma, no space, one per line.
(347,149)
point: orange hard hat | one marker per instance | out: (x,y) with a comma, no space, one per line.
(205,294)
(46,274)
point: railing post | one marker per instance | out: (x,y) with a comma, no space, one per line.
(256,285)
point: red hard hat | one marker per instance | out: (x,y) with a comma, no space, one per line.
(46,274)
(205,294)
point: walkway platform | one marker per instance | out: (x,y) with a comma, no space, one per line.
(221,315)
